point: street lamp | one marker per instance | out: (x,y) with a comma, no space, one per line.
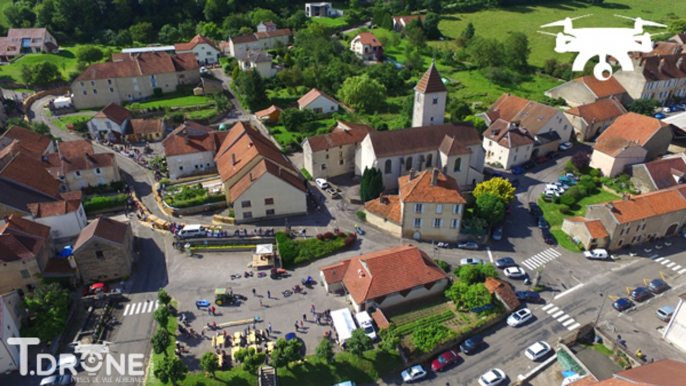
(601,309)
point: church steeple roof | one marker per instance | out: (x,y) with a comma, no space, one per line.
(431,82)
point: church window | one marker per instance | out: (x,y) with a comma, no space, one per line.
(387,167)
(435,99)
(428,160)
(458,165)
(408,164)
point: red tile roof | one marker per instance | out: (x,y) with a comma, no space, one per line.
(665,372)
(506,108)
(197,39)
(407,19)
(21,225)
(595,228)
(368,38)
(257,171)
(334,273)
(380,319)
(647,205)
(420,189)
(15,247)
(268,111)
(31,173)
(507,135)
(145,126)
(192,137)
(34,144)
(338,138)
(20,236)
(613,146)
(311,96)
(673,67)
(58,267)
(71,202)
(630,127)
(602,89)
(389,271)
(386,206)
(145,63)
(243,39)
(667,172)
(424,138)
(431,82)
(599,111)
(104,229)
(505,292)
(115,113)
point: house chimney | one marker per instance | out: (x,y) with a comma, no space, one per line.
(434,177)
(233,158)
(250,176)
(625,196)
(661,66)
(411,174)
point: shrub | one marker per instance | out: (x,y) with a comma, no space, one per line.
(304,250)
(361,215)
(427,338)
(306,174)
(319,236)
(157,91)
(573,192)
(328,235)
(570,168)
(594,172)
(564,209)
(350,240)
(444,266)
(567,200)
(583,192)
(104,202)
(165,181)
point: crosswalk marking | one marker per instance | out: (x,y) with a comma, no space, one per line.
(671,264)
(548,306)
(541,258)
(561,319)
(126,310)
(573,327)
(567,323)
(676,268)
(659,259)
(665,261)
(550,311)
(150,306)
(682,271)
(138,308)
(555,315)
(528,265)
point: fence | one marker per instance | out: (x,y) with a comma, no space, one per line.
(32,98)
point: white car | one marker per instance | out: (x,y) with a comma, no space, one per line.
(514,272)
(559,185)
(492,377)
(321,183)
(471,261)
(565,146)
(599,254)
(413,373)
(552,192)
(537,350)
(519,317)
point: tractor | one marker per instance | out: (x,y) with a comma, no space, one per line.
(221,297)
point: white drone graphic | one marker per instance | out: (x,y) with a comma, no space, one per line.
(602,42)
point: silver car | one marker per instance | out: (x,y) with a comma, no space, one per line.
(471,261)
(473,245)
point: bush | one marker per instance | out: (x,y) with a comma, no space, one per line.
(319,236)
(95,203)
(328,236)
(165,181)
(157,91)
(570,168)
(444,266)
(567,200)
(306,174)
(362,216)
(564,209)
(573,192)
(300,251)
(427,338)
(350,240)
(594,172)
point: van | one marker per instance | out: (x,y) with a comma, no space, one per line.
(365,322)
(665,313)
(189,231)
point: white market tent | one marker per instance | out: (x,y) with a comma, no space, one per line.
(343,323)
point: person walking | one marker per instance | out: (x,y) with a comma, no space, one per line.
(296,325)
(209,310)
(213,313)
(260,303)
(269,295)
(270,327)
(301,324)
(254,292)
(304,317)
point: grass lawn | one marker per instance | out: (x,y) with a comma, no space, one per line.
(313,372)
(335,22)
(173,100)
(496,23)
(201,114)
(62,122)
(479,89)
(285,137)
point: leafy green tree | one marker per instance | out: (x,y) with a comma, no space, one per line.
(434,6)
(253,360)
(89,54)
(209,29)
(470,274)
(362,92)
(45,13)
(209,363)
(255,90)
(458,110)
(142,32)
(430,25)
(390,339)
(19,15)
(40,128)
(171,369)
(477,296)
(234,22)
(488,270)
(41,73)
(168,34)
(286,352)
(490,207)
(163,297)
(468,32)
(413,58)
(517,51)
(258,15)
(426,338)
(677,26)
(160,341)
(371,185)
(359,342)
(497,186)
(457,290)
(486,52)
(644,106)
(479,124)
(387,22)
(124,38)
(415,34)
(215,9)
(48,303)
(324,350)
(26,74)
(161,315)
(295,120)
(387,75)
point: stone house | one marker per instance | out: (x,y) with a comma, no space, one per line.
(104,250)
(109,123)
(632,220)
(27,41)
(263,41)
(508,144)
(144,130)
(591,119)
(334,154)
(430,98)
(10,323)
(318,102)
(429,206)
(204,50)
(659,174)
(77,166)
(385,278)
(367,46)
(25,248)
(400,22)
(656,77)
(591,234)
(589,89)
(133,77)
(253,170)
(631,139)
(266,26)
(255,60)
(190,150)
(503,292)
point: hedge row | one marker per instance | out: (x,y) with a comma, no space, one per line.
(197,201)
(294,252)
(95,203)
(429,320)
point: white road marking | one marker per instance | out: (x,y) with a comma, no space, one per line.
(550,311)
(548,306)
(665,261)
(126,310)
(659,259)
(150,307)
(561,319)
(572,328)
(682,271)
(529,265)
(490,256)
(138,308)
(157,304)
(670,264)
(676,268)
(558,314)
(568,291)
(567,323)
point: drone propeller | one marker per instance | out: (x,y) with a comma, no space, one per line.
(581,17)
(642,22)
(559,23)
(625,17)
(547,33)
(658,33)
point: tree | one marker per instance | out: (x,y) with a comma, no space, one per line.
(124,38)
(644,106)
(160,341)
(470,274)
(479,124)
(171,369)
(430,25)
(163,297)
(40,73)
(468,32)
(490,207)
(458,110)
(294,120)
(168,34)
(434,6)
(415,34)
(387,75)
(255,90)
(359,342)
(324,350)
(581,160)
(390,339)
(477,296)
(215,9)
(457,290)
(371,185)
(209,363)
(486,52)
(258,15)
(362,92)
(286,352)
(675,26)
(413,58)
(142,32)
(161,315)
(48,303)
(488,270)
(517,51)
(89,54)
(209,29)
(40,128)
(497,186)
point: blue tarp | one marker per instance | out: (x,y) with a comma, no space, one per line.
(568,373)
(66,252)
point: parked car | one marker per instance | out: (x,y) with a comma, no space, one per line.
(321,183)
(528,296)
(558,185)
(572,176)
(596,254)
(444,360)
(332,192)
(528,165)
(657,286)
(552,193)
(472,344)
(548,237)
(471,261)
(622,304)
(665,313)
(537,350)
(515,272)
(639,294)
(498,233)
(413,373)
(535,209)
(497,174)
(660,116)
(542,159)
(519,317)
(204,71)
(517,170)
(505,262)
(565,146)
(542,223)
(677,108)
(492,377)
(514,183)
(567,181)
(94,289)
(56,380)
(473,245)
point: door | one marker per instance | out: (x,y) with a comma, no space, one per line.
(671,230)
(416,235)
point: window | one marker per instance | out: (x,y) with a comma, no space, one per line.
(25,274)
(268,201)
(180,167)
(638,228)
(135,80)
(109,81)
(81,84)
(85,92)
(619,244)
(458,165)
(418,223)
(108,125)
(95,91)
(438,223)
(136,88)
(245,204)
(98,171)
(429,160)
(455,223)
(439,208)
(646,96)
(408,164)
(457,209)
(327,156)
(435,99)
(269,212)
(332,108)
(564,128)
(111,89)
(77,174)
(324,166)
(419,208)
(515,158)
(387,166)
(99,255)
(340,162)
(92,83)
(247,215)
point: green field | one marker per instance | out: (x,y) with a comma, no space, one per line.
(201,114)
(173,100)
(479,89)
(62,122)
(497,23)
(334,22)
(3,5)
(65,61)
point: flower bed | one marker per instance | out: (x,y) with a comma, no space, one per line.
(190,196)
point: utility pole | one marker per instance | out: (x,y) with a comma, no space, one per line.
(601,310)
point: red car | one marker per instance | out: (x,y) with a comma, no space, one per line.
(444,360)
(542,159)
(94,289)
